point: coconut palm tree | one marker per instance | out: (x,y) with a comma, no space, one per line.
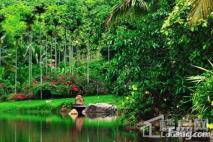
(201,9)
(138,6)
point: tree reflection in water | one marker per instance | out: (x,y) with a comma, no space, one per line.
(55,128)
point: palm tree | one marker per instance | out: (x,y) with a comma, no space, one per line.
(39,10)
(138,6)
(17,44)
(29,19)
(65,48)
(71,55)
(201,9)
(56,23)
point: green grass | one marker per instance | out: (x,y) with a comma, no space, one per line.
(48,106)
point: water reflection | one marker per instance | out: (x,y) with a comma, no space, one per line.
(76,129)
(55,128)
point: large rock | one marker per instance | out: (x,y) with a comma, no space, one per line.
(100,108)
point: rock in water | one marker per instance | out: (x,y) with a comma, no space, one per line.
(100,108)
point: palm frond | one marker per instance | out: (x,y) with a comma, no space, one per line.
(210,63)
(199,78)
(196,79)
(201,68)
(201,9)
(124,7)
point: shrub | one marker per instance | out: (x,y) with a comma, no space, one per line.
(56,87)
(5,87)
(18,97)
(93,87)
(138,105)
(3,98)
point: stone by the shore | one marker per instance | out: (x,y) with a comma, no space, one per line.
(100,108)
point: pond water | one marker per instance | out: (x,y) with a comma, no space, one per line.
(58,128)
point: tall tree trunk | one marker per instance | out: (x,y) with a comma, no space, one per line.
(1,48)
(30,59)
(88,59)
(41,71)
(108,50)
(16,66)
(51,53)
(65,50)
(55,45)
(46,46)
(65,58)
(0,52)
(40,63)
(70,56)
(70,59)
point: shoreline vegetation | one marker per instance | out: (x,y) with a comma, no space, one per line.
(53,105)
(53,118)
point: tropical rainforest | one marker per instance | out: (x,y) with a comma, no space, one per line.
(155,54)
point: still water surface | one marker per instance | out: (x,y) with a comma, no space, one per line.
(57,128)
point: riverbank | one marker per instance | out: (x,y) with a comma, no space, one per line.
(53,105)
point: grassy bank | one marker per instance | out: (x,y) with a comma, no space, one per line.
(53,105)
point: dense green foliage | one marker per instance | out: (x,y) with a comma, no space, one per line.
(202,99)
(202,96)
(49,47)
(45,39)
(156,53)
